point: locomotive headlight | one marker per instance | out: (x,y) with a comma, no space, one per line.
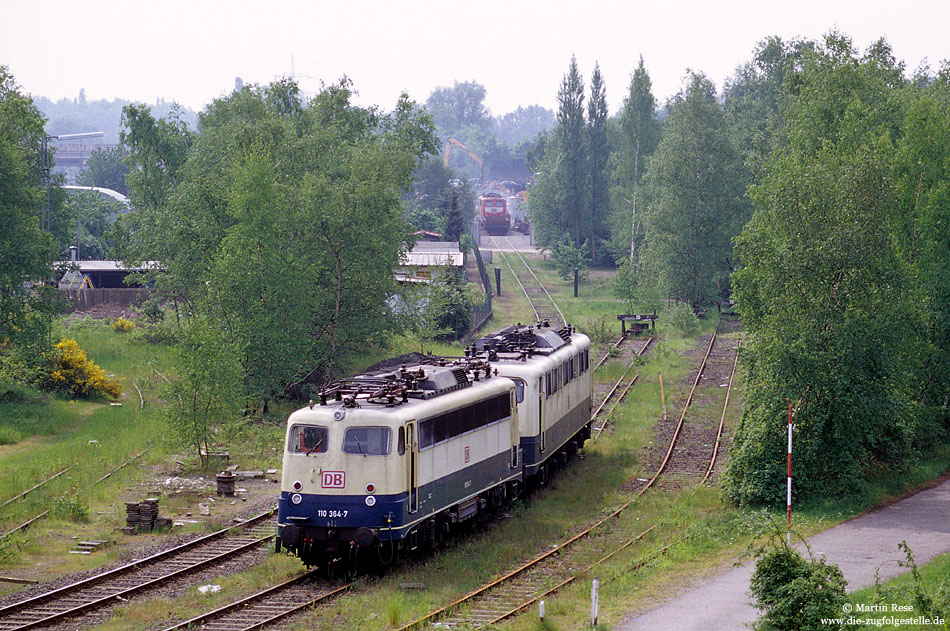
(370,500)
(298,485)
(370,487)
(296,498)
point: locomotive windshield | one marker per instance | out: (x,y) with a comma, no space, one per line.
(519,389)
(308,439)
(368,441)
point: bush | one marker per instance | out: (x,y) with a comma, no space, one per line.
(74,374)
(795,593)
(10,545)
(681,317)
(153,310)
(19,370)
(163,333)
(567,257)
(452,300)
(599,329)
(14,392)
(121,325)
(9,436)
(70,507)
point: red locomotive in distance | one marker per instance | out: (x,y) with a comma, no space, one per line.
(493,209)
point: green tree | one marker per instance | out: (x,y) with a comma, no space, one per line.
(453,109)
(282,224)
(568,257)
(90,218)
(571,137)
(640,134)
(697,198)
(835,318)
(207,387)
(158,149)
(453,299)
(524,123)
(598,151)
(559,198)
(25,251)
(753,94)
(440,201)
(923,191)
(106,168)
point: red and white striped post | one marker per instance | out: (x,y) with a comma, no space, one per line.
(788,531)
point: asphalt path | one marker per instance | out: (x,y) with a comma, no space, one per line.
(859,546)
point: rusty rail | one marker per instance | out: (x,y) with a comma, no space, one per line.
(722,419)
(679,424)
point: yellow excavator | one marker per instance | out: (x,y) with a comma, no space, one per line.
(447,155)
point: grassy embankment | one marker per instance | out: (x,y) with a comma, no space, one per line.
(905,597)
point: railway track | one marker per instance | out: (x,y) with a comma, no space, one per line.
(521,588)
(612,394)
(543,308)
(502,598)
(722,417)
(620,342)
(36,486)
(268,606)
(525,585)
(542,312)
(36,518)
(108,588)
(495,601)
(689,446)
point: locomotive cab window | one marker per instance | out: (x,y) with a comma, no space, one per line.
(308,439)
(519,390)
(367,441)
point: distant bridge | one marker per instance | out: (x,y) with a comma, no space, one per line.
(70,155)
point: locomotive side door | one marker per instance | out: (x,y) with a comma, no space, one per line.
(412,466)
(541,392)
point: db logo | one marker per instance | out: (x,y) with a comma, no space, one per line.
(333,479)
(468,454)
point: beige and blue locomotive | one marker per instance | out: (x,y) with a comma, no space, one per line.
(394,460)
(551,371)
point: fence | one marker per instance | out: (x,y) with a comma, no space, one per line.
(84,299)
(480,313)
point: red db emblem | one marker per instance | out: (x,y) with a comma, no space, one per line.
(468,455)
(333,479)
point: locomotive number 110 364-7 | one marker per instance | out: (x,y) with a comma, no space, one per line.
(331,513)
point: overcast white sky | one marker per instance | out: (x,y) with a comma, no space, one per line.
(191,51)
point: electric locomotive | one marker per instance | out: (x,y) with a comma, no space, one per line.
(388,462)
(395,460)
(551,371)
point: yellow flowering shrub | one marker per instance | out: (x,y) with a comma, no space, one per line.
(74,373)
(121,325)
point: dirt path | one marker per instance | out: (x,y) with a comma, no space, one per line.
(859,547)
